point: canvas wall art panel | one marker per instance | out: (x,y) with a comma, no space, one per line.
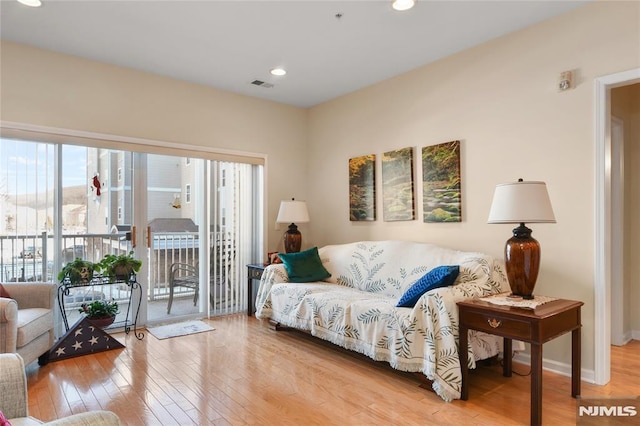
(441,195)
(362,188)
(397,185)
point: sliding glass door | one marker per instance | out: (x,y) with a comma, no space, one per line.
(174,216)
(59,202)
(201,218)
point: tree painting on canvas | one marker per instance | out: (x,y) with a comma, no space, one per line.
(441,196)
(397,185)
(362,188)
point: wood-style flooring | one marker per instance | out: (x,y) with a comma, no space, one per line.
(244,373)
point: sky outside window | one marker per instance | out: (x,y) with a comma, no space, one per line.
(27,167)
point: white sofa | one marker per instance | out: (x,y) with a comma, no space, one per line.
(356,307)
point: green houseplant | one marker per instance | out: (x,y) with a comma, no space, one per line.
(78,271)
(119,266)
(101,313)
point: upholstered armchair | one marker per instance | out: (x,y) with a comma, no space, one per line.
(14,402)
(26,320)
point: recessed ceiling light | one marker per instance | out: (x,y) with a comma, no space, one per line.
(278,71)
(402,5)
(32,3)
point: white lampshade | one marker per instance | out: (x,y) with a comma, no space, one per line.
(293,211)
(521,202)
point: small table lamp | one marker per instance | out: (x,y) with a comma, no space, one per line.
(290,212)
(521,202)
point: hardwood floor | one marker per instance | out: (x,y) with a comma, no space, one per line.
(244,373)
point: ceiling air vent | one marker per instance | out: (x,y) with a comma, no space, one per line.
(262,84)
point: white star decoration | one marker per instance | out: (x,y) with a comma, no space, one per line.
(77,345)
(78,331)
(94,340)
(60,351)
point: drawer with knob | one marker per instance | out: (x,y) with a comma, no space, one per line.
(497,324)
(255,273)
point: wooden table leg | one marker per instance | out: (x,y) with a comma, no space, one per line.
(464,362)
(249,294)
(536,384)
(508,357)
(575,362)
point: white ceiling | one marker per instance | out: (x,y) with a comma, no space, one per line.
(228,44)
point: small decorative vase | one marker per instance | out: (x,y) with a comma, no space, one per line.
(102,322)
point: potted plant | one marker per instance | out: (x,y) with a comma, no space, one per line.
(120,266)
(102,313)
(78,271)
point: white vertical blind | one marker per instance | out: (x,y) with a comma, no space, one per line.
(232,218)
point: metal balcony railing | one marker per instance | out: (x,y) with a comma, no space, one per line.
(26,258)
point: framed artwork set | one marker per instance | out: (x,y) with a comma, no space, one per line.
(441,185)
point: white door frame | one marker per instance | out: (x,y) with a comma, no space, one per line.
(603,225)
(617,235)
(139,221)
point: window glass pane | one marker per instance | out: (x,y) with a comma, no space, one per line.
(174,256)
(96,218)
(75,190)
(26,209)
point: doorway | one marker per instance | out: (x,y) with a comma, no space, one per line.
(201,231)
(619,309)
(605,239)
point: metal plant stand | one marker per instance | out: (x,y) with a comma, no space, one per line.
(134,287)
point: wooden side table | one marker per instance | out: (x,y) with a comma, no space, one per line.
(534,326)
(254,272)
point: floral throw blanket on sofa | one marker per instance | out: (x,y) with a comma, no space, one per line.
(356,307)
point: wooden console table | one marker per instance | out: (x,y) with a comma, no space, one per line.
(534,326)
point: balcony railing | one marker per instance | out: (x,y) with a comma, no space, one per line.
(30,258)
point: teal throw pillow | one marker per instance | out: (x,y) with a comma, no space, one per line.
(305,266)
(441,276)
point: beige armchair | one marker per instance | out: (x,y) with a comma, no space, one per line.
(26,320)
(13,399)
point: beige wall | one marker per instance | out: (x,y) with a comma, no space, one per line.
(625,104)
(44,88)
(501,100)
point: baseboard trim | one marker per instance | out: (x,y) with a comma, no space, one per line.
(557,367)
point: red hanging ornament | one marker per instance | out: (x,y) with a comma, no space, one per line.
(97,185)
